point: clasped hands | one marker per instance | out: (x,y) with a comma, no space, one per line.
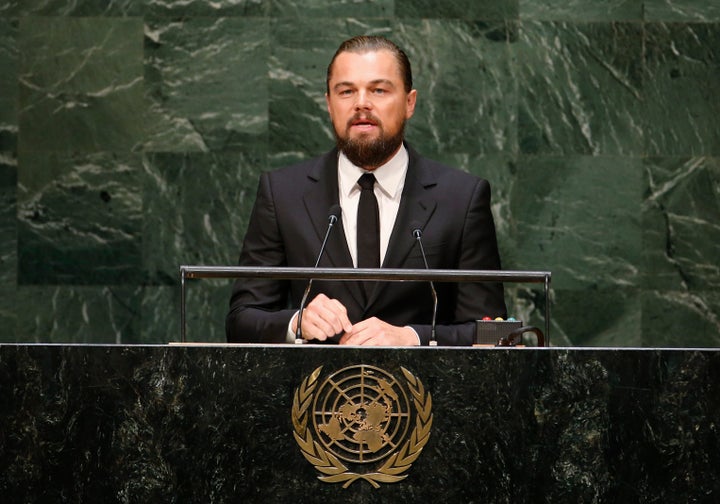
(323,318)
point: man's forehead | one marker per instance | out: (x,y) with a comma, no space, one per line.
(381,63)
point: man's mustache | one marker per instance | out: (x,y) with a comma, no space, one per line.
(363,118)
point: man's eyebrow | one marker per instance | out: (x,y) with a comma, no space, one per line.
(343,84)
(387,82)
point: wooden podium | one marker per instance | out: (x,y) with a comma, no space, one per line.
(227,424)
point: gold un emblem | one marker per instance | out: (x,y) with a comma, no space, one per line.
(361,423)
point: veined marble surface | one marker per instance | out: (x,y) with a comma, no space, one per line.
(188,424)
(8,245)
(133,133)
(8,84)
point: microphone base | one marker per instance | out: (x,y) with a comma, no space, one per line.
(433,343)
(299,341)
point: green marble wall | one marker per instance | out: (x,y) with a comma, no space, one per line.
(132,134)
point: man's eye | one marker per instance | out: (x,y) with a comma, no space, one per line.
(379,91)
(345,92)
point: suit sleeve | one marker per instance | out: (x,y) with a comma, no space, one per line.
(259,310)
(478,250)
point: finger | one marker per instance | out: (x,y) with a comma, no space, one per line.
(342,317)
(326,317)
(315,326)
(315,314)
(361,333)
(334,313)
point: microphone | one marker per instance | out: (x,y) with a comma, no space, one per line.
(417,234)
(333,216)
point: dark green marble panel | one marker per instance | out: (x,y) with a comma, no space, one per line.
(583,317)
(578,217)
(8,246)
(8,8)
(80,84)
(206,305)
(160,314)
(462,71)
(592,317)
(8,313)
(176,9)
(332,8)
(193,424)
(79,219)
(681,230)
(206,84)
(681,318)
(581,88)
(681,89)
(462,9)
(75,7)
(467,96)
(196,208)
(79,314)
(582,10)
(682,10)
(8,84)
(169,8)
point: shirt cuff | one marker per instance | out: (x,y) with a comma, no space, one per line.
(290,337)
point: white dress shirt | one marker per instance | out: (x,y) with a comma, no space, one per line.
(390,180)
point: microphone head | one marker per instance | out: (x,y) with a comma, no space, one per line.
(334,214)
(416,229)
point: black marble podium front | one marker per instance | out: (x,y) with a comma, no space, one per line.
(214,424)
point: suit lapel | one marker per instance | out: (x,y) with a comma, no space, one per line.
(321,194)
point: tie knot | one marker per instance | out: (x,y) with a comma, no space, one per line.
(367,181)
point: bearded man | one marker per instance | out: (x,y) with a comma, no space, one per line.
(385,190)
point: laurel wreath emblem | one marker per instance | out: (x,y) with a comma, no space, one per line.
(333,469)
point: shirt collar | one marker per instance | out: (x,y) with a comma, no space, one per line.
(390,176)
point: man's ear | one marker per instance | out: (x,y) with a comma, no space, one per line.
(411,100)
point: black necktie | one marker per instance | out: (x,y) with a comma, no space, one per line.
(368,227)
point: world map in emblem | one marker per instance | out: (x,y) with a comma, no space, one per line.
(361,414)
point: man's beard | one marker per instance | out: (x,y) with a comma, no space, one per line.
(368,152)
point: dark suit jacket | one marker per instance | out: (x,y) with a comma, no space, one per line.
(288,224)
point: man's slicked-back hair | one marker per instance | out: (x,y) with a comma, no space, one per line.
(370,43)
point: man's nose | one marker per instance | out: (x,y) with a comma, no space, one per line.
(363,101)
